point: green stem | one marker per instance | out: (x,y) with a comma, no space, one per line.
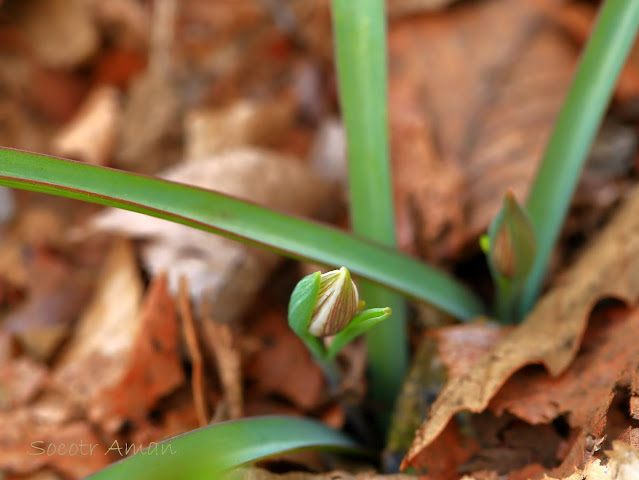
(575,130)
(360,39)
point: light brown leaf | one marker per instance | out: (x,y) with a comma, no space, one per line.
(96,356)
(282,363)
(20,380)
(244,123)
(91,134)
(552,332)
(470,114)
(61,32)
(153,367)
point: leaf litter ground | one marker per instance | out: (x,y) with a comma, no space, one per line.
(109,339)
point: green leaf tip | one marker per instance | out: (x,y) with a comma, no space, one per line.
(213,451)
(512,245)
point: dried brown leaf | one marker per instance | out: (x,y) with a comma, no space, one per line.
(552,332)
(21,380)
(244,123)
(61,33)
(462,114)
(282,364)
(153,367)
(91,134)
(96,356)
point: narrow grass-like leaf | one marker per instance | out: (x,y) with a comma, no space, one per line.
(574,132)
(240,220)
(210,451)
(360,41)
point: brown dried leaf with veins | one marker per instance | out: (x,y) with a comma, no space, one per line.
(552,332)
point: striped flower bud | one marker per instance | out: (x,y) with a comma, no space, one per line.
(337,303)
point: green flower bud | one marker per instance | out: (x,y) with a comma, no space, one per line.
(337,303)
(323,305)
(512,245)
(328,304)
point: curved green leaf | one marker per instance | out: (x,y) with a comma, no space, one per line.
(208,452)
(214,212)
(573,134)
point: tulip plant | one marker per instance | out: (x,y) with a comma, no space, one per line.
(329,304)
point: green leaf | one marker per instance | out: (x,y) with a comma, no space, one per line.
(574,132)
(359,324)
(208,452)
(360,51)
(240,220)
(302,303)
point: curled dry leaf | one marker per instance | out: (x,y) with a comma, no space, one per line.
(552,332)
(153,366)
(90,135)
(96,355)
(225,272)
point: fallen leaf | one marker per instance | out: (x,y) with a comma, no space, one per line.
(211,131)
(149,113)
(61,33)
(463,116)
(29,443)
(57,294)
(552,332)
(96,357)
(224,272)
(623,464)
(21,379)
(578,19)
(153,366)
(282,364)
(223,347)
(90,135)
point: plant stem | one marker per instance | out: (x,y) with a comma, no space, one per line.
(575,130)
(360,39)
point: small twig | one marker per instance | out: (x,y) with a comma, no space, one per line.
(190,335)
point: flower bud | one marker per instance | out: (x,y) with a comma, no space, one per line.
(337,303)
(512,241)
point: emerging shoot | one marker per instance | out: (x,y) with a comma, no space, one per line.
(511,248)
